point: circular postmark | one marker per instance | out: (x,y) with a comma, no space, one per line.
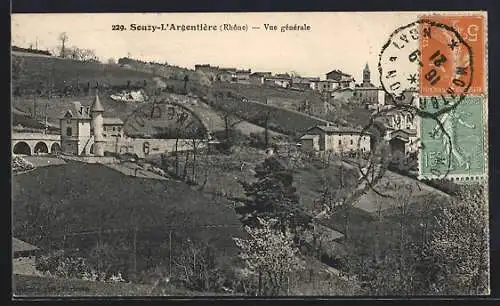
(164,119)
(430,59)
(426,69)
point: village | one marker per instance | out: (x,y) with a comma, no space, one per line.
(140,178)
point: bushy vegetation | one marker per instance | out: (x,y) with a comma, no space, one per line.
(402,250)
(20,164)
(32,51)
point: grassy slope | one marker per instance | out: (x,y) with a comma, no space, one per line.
(82,191)
(281,97)
(41,71)
(355,115)
(281,120)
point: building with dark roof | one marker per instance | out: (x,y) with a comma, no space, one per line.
(84,130)
(336,139)
(23,249)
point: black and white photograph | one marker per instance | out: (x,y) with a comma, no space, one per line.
(269,154)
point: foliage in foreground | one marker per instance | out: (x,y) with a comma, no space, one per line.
(273,196)
(271,256)
(428,247)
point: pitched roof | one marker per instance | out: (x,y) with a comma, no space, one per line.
(308,137)
(227,69)
(77,111)
(97,106)
(408,132)
(261,74)
(339,72)
(112,121)
(22,246)
(337,129)
(243,71)
(369,86)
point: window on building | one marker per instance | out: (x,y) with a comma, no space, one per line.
(340,142)
(103,135)
(68,121)
(68,131)
(114,128)
(119,129)
(352,142)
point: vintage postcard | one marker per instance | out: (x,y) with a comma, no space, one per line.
(250,154)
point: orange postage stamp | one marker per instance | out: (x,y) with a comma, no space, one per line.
(452,55)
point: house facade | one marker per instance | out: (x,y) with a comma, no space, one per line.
(309,143)
(226,74)
(277,81)
(257,78)
(112,127)
(369,95)
(325,85)
(24,257)
(336,139)
(401,131)
(345,80)
(243,76)
(76,130)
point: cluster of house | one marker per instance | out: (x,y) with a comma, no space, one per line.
(84,130)
(400,131)
(337,84)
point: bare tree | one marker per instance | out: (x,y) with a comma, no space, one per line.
(63,37)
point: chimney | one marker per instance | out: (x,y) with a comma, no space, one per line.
(328,124)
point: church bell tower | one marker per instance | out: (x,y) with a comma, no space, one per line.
(366,76)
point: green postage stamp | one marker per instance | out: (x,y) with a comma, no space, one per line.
(455,147)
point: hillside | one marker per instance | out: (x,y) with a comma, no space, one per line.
(280,119)
(34,74)
(79,193)
(281,97)
(70,80)
(339,112)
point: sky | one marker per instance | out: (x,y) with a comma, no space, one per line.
(336,40)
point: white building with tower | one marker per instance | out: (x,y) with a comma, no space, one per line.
(82,129)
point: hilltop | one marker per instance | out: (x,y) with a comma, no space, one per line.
(38,75)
